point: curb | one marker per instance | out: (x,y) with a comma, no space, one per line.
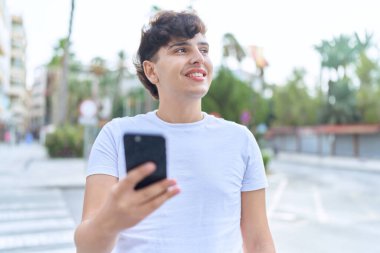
(58,173)
(348,163)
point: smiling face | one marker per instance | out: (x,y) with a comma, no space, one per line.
(182,69)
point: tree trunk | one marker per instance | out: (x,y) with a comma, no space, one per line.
(65,71)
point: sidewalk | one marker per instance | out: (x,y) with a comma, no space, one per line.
(333,162)
(61,173)
(72,172)
(28,165)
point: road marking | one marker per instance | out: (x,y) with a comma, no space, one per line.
(277,196)
(36,239)
(12,215)
(322,215)
(35,220)
(36,225)
(65,250)
(32,205)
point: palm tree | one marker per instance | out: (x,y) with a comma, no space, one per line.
(336,55)
(122,69)
(232,48)
(339,53)
(118,96)
(57,60)
(362,46)
(366,66)
(65,69)
(345,52)
(98,69)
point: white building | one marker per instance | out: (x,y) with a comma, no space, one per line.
(17,88)
(37,106)
(4,66)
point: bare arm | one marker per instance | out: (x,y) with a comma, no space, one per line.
(257,237)
(111,206)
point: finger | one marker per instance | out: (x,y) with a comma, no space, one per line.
(155,203)
(136,175)
(154,190)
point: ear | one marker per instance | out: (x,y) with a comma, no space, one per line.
(149,72)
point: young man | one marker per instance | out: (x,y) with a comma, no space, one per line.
(215,201)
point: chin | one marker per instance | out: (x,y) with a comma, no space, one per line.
(199,93)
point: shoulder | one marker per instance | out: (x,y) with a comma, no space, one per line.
(113,128)
(229,126)
(118,124)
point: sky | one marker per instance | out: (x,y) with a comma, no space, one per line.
(286,30)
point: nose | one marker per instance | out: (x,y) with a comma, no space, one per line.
(197,57)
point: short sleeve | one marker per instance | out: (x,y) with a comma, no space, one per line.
(103,156)
(254,177)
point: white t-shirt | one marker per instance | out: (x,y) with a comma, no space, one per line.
(212,160)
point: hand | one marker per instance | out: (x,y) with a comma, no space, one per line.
(126,206)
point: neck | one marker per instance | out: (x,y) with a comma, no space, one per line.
(176,112)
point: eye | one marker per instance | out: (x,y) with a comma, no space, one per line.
(204,51)
(180,50)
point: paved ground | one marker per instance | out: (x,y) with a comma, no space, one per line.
(315,204)
(40,200)
(35,220)
(318,209)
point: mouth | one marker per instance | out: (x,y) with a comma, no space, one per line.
(196,73)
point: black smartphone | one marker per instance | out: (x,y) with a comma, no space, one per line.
(142,148)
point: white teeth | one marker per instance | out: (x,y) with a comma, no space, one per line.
(196,74)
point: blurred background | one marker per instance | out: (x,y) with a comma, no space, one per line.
(303,76)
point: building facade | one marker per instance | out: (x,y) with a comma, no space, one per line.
(362,141)
(37,104)
(4,66)
(17,89)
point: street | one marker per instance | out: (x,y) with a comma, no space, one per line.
(318,210)
(313,209)
(40,203)
(35,220)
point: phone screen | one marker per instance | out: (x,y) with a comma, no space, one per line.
(142,148)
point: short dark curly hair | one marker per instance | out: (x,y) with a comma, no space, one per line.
(163,28)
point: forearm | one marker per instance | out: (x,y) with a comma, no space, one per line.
(260,248)
(256,234)
(93,236)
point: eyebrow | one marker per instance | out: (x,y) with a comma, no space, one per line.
(185,43)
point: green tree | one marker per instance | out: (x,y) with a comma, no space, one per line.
(340,106)
(230,97)
(292,104)
(79,90)
(366,43)
(78,86)
(136,99)
(366,71)
(118,98)
(368,102)
(99,71)
(58,51)
(338,53)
